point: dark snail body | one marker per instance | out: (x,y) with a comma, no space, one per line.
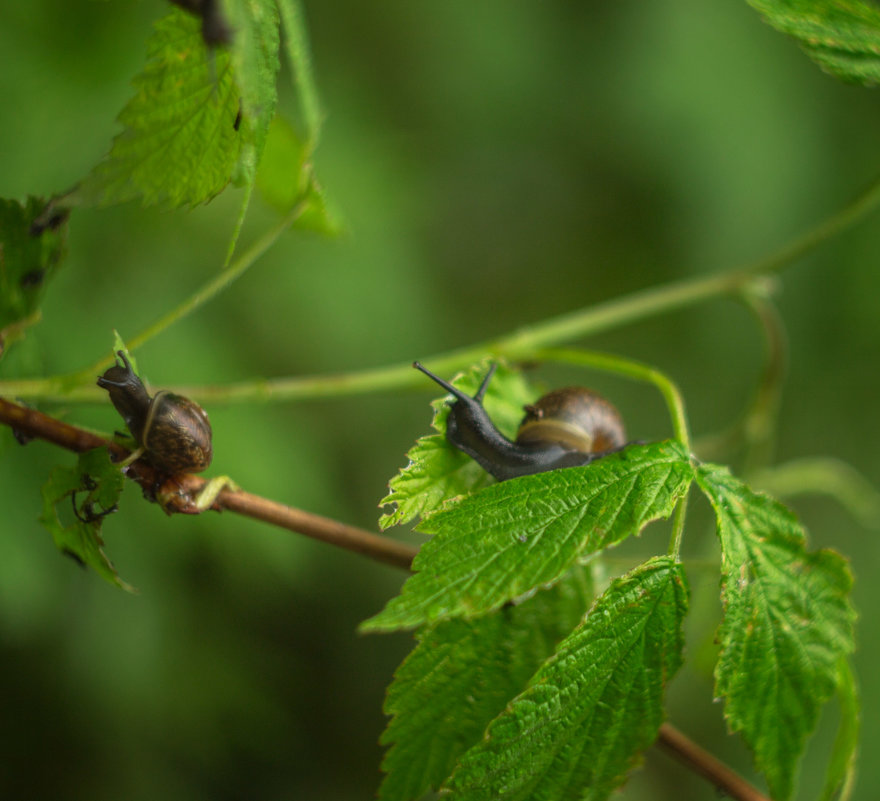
(173,431)
(566,428)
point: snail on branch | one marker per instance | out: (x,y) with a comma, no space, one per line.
(172,432)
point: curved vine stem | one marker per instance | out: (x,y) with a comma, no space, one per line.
(628,368)
(300,59)
(822,475)
(756,426)
(759,422)
(517,345)
(231,271)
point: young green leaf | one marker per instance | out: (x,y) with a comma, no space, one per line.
(504,541)
(180,143)
(31,250)
(588,713)
(462,674)
(787,624)
(437,470)
(93,487)
(843,37)
(119,345)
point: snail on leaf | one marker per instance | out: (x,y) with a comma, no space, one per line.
(565,428)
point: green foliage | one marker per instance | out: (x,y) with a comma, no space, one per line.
(510,692)
(502,542)
(436,470)
(199,117)
(32,247)
(179,145)
(786,632)
(93,487)
(578,727)
(787,625)
(842,36)
(461,675)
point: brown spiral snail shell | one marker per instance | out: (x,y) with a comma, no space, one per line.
(172,431)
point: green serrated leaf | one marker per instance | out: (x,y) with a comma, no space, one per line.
(31,251)
(842,36)
(180,143)
(461,675)
(787,624)
(95,485)
(587,714)
(437,470)
(511,537)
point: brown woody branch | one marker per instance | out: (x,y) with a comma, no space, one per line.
(177,495)
(709,767)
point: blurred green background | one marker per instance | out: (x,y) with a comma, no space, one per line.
(496,163)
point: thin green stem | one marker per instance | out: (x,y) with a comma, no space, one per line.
(223,279)
(678,528)
(239,223)
(231,271)
(517,345)
(759,422)
(676,295)
(628,369)
(756,426)
(299,56)
(821,475)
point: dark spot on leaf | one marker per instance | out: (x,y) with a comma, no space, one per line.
(75,556)
(32,279)
(51,219)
